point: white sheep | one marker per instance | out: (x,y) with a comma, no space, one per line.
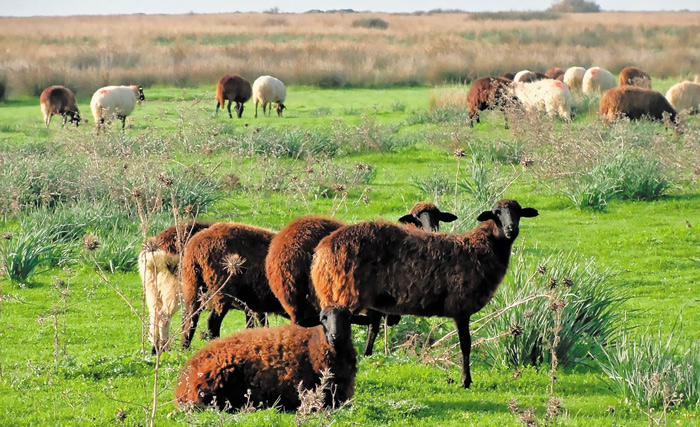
(115,101)
(684,96)
(525,76)
(266,90)
(573,77)
(597,79)
(550,96)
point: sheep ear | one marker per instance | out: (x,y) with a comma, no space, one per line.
(447,217)
(485,216)
(410,219)
(528,212)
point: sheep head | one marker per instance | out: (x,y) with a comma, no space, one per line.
(427,216)
(506,214)
(280,107)
(336,321)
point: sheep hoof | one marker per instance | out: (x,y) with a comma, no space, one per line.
(466,381)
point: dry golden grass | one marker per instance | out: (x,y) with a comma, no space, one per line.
(87,52)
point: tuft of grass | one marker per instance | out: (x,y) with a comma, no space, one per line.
(22,254)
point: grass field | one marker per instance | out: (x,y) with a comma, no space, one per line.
(619,218)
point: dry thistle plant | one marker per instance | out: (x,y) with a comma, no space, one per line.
(313,401)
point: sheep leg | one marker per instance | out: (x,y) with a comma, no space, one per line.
(505,117)
(228,107)
(190,318)
(256,109)
(123,119)
(239,109)
(214,323)
(65,117)
(375,318)
(465,344)
(218,105)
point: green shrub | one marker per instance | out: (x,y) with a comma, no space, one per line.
(23,253)
(574,6)
(371,23)
(116,252)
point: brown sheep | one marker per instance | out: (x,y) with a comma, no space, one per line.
(402,270)
(158,265)
(288,264)
(223,267)
(59,100)
(490,93)
(233,88)
(555,73)
(635,103)
(508,76)
(274,364)
(633,76)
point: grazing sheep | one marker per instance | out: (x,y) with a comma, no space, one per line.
(488,93)
(158,264)
(525,76)
(573,77)
(272,365)
(634,103)
(508,76)
(115,101)
(288,263)
(266,90)
(597,79)
(633,76)
(402,270)
(685,96)
(233,88)
(59,100)
(555,73)
(223,267)
(550,96)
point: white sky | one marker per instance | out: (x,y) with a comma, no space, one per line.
(102,7)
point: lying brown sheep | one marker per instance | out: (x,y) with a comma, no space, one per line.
(635,103)
(274,364)
(402,270)
(633,76)
(233,88)
(59,100)
(223,267)
(489,93)
(288,264)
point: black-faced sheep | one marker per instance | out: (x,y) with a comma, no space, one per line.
(684,96)
(115,101)
(597,79)
(59,100)
(555,73)
(489,93)
(223,267)
(573,77)
(635,103)
(402,270)
(233,88)
(288,264)
(275,364)
(266,90)
(158,267)
(550,96)
(633,76)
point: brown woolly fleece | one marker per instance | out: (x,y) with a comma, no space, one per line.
(59,100)
(403,270)
(635,103)
(488,93)
(206,278)
(555,73)
(271,363)
(172,239)
(234,88)
(633,76)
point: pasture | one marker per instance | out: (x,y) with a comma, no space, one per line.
(617,237)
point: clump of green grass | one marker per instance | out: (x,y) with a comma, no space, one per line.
(116,252)
(447,115)
(23,253)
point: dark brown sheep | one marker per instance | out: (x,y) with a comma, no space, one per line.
(555,73)
(402,270)
(233,88)
(223,267)
(634,103)
(275,364)
(633,76)
(489,93)
(508,76)
(59,100)
(158,265)
(288,264)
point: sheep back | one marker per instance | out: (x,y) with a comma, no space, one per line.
(270,362)
(555,73)
(172,239)
(573,77)
(550,96)
(59,100)
(288,261)
(633,76)
(684,96)
(635,103)
(597,79)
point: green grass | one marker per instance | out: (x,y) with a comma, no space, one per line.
(77,358)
